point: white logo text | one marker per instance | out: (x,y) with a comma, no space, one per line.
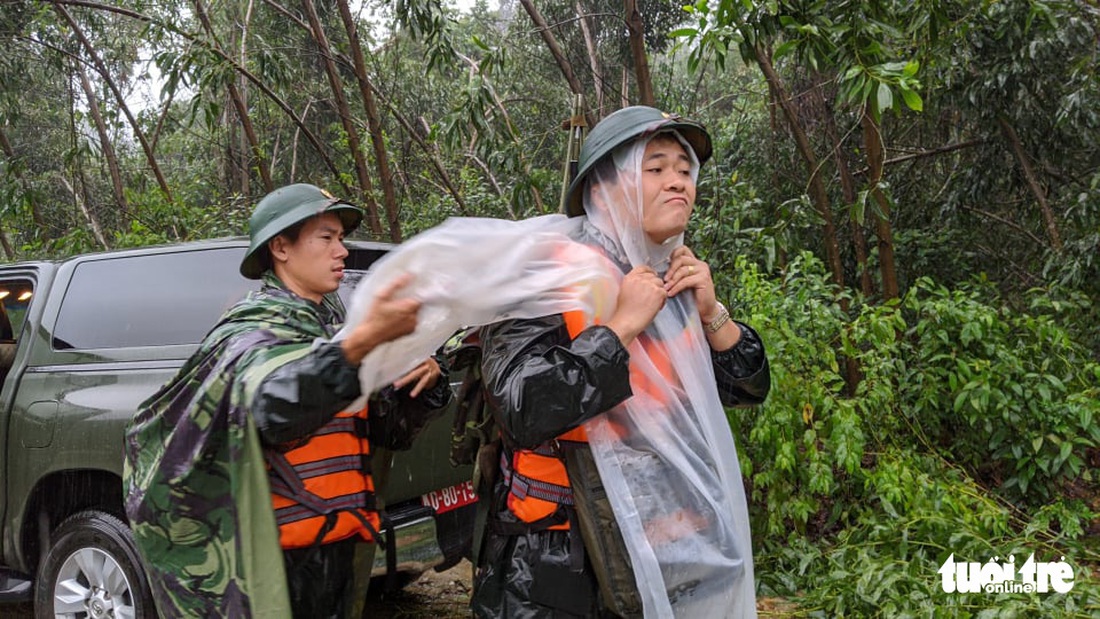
(993,577)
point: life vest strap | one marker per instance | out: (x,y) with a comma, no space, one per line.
(356,426)
(313,506)
(329,466)
(287,480)
(522,486)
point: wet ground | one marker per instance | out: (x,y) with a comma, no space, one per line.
(439,595)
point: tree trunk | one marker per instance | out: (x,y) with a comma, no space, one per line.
(294,142)
(624,88)
(593,55)
(637,50)
(119,98)
(9,152)
(1032,182)
(555,50)
(214,47)
(239,93)
(872,142)
(9,252)
(232,164)
(853,373)
(772,149)
(818,195)
(433,156)
(847,186)
(93,223)
(374,123)
(342,109)
(161,118)
(104,141)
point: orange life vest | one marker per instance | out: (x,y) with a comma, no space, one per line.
(537,480)
(322,491)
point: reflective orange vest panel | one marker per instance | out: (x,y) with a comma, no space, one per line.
(538,484)
(538,481)
(322,491)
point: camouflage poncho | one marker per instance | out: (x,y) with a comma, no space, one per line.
(197,493)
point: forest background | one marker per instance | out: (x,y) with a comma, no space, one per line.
(904,201)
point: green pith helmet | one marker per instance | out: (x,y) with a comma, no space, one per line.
(285,207)
(624,126)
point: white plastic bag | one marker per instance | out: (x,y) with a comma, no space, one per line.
(474,271)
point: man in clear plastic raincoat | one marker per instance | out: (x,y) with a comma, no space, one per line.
(624,413)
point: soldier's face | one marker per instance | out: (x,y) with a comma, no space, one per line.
(668,191)
(312,265)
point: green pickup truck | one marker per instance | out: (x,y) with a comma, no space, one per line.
(83,341)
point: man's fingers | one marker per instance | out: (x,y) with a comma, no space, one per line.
(412,375)
(404,380)
(421,384)
(683,262)
(682,251)
(392,286)
(423,374)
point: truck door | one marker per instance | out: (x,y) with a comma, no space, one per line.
(16,296)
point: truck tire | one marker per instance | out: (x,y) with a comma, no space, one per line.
(92,569)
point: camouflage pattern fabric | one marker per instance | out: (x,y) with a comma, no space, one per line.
(197,492)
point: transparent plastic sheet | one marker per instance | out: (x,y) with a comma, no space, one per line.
(473,271)
(666,455)
(669,462)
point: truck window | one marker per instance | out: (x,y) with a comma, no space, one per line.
(149,300)
(15,297)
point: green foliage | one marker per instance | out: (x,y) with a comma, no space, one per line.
(806,431)
(426,21)
(868,46)
(858,496)
(1024,397)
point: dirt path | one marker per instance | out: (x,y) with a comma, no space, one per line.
(440,595)
(446,595)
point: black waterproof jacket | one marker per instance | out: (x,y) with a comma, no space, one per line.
(541,384)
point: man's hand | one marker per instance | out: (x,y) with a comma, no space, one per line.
(388,318)
(424,375)
(686,272)
(641,296)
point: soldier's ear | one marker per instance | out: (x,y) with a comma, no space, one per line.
(278,248)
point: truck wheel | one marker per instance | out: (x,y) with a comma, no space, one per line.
(92,570)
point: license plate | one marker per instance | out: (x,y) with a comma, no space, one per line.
(446,499)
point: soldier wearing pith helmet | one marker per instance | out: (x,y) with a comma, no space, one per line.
(226,518)
(618,477)
(288,208)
